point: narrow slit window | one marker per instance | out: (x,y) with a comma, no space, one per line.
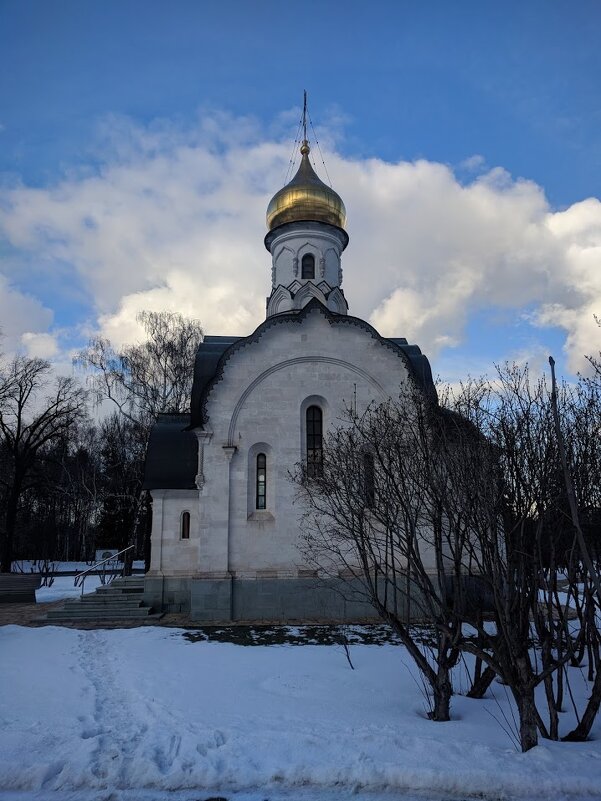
(308,266)
(261,499)
(314,441)
(186,526)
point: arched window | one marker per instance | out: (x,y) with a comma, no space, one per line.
(185,532)
(314,441)
(369,487)
(308,266)
(261,488)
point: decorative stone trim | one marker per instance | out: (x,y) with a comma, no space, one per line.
(204,438)
(282,233)
(280,296)
(229,451)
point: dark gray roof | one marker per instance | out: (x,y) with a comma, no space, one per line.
(172,454)
(215,351)
(419,365)
(209,352)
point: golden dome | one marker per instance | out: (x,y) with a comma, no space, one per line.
(306,198)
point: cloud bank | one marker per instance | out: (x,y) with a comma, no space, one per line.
(174,219)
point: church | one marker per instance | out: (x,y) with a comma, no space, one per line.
(225,526)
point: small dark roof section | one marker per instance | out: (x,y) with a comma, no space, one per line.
(172,454)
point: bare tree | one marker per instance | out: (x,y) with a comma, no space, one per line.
(375,518)
(595,361)
(121,459)
(150,377)
(143,380)
(515,494)
(35,411)
(459,514)
(578,432)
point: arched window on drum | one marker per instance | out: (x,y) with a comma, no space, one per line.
(308,266)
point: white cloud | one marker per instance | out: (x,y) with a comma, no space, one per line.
(174,219)
(473,163)
(20,313)
(43,346)
(220,306)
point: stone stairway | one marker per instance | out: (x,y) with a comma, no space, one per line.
(120,600)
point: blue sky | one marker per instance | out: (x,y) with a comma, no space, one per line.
(93,93)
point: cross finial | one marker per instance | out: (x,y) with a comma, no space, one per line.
(305,145)
(305,115)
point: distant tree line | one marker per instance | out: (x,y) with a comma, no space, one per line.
(72,451)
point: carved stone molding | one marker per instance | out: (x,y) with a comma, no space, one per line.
(203,437)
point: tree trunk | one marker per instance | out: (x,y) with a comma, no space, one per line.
(443,690)
(481,683)
(524,699)
(560,674)
(583,729)
(6,555)
(552,706)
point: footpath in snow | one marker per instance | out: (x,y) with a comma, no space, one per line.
(134,713)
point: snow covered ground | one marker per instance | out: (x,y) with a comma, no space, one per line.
(64,587)
(146,714)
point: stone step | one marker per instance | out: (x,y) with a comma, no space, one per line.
(117,600)
(141,613)
(99,603)
(123,587)
(87,610)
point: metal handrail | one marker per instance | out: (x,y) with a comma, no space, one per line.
(84,573)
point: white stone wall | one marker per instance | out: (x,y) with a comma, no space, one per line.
(170,554)
(261,398)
